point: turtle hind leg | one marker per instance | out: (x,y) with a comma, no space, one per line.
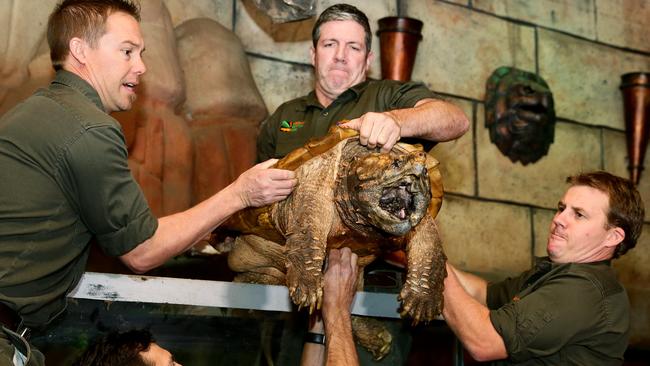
(257,260)
(372,335)
(251,252)
(265,276)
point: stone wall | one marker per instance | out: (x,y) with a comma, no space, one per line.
(496,214)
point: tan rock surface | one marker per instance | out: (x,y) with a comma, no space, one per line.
(20,38)
(163,80)
(218,79)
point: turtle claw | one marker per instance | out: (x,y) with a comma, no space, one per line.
(372,335)
(419,305)
(307,289)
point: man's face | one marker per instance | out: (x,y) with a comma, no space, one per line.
(115,64)
(340,59)
(579,232)
(158,356)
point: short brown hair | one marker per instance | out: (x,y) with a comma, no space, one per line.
(118,349)
(626,209)
(342,12)
(85,19)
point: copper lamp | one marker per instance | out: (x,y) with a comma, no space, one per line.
(635,87)
(398,38)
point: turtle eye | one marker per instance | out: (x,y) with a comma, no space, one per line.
(397,163)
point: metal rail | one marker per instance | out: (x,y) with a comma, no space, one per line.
(167,290)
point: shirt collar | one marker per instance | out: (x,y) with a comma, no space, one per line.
(545,262)
(74,81)
(311,101)
(544,265)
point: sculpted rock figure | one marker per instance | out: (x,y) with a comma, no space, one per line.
(520,114)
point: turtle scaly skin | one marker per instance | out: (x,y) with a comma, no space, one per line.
(347,196)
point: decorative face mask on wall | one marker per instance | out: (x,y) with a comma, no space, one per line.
(519,113)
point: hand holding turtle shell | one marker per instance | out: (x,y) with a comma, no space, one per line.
(376,130)
(262,185)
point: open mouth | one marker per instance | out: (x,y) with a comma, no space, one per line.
(398,200)
(130,86)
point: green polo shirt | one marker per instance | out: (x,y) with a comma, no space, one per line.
(65,180)
(562,314)
(297,121)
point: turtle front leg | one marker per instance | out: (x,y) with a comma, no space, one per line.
(305,256)
(305,218)
(421,295)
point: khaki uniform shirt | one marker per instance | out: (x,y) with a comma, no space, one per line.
(562,314)
(297,121)
(65,179)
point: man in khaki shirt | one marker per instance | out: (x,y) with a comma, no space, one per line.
(66,178)
(383,111)
(569,309)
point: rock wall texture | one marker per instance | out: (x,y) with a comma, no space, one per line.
(207,60)
(190,132)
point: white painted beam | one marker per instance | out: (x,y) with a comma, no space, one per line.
(166,290)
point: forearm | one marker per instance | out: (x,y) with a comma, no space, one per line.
(432,119)
(471,323)
(340,347)
(178,232)
(313,354)
(475,286)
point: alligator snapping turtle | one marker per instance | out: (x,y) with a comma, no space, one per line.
(347,195)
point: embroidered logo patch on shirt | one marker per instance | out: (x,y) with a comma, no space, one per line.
(291,126)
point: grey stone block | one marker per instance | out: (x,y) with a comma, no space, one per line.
(585,77)
(457,158)
(624,23)
(489,238)
(461,48)
(279,82)
(575,17)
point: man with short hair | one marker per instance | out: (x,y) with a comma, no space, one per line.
(569,309)
(383,111)
(66,178)
(131,348)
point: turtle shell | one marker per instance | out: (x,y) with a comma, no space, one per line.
(258,220)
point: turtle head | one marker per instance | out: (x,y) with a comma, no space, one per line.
(390,190)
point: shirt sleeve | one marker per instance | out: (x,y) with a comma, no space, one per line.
(109,201)
(406,95)
(542,322)
(501,293)
(266,139)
